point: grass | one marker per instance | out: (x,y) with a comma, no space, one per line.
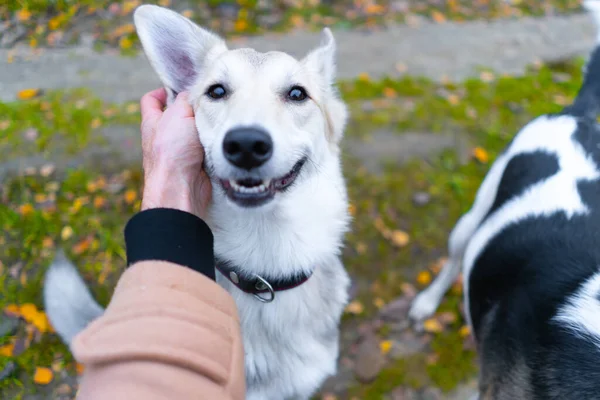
(84,212)
(53,22)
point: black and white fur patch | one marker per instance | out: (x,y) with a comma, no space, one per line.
(529,249)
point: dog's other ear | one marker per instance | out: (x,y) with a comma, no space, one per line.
(322,59)
(176,47)
(321,62)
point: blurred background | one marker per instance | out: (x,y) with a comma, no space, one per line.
(436,89)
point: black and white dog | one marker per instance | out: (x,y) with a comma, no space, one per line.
(530,254)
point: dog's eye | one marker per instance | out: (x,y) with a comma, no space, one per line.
(216,92)
(297,93)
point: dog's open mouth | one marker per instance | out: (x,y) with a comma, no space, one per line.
(253,192)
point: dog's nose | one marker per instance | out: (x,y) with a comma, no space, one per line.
(247,148)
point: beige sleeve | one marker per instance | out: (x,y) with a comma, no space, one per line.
(168,333)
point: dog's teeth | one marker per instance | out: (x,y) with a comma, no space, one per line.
(234,185)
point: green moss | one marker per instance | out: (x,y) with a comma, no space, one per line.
(58,121)
(454,364)
(389,378)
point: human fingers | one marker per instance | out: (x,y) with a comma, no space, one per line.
(152,103)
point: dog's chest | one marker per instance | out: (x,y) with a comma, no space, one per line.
(291,344)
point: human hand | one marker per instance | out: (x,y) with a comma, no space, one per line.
(172,156)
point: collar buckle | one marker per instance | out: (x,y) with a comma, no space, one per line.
(262,285)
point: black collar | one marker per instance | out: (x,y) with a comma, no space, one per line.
(257,285)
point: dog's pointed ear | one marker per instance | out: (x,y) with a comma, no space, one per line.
(321,60)
(176,47)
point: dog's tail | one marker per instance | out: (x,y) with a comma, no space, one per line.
(587,102)
(69,304)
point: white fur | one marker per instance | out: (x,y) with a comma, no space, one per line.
(581,313)
(555,194)
(291,344)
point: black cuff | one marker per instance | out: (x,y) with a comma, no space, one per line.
(165,234)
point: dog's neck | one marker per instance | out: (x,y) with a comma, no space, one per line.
(302,229)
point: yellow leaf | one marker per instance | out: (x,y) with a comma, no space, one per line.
(125,43)
(47,242)
(453,99)
(355,307)
(128,6)
(389,92)
(481,155)
(96,122)
(54,23)
(33,43)
(130,196)
(352,209)
(432,325)
(77,204)
(361,247)
(28,311)
(241,25)
(82,246)
(7,350)
(374,9)
(99,202)
(23,15)
(66,233)
(363,76)
(164,3)
(132,108)
(40,198)
(438,16)
(27,94)
(26,209)
(378,302)
(464,331)
(188,13)
(424,277)
(79,368)
(40,321)
(385,346)
(43,375)
(297,21)
(399,238)
(12,309)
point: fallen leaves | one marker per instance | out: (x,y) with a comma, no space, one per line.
(26,210)
(397,237)
(27,94)
(125,43)
(432,325)
(481,155)
(355,307)
(7,350)
(66,233)
(424,278)
(43,375)
(23,15)
(130,196)
(385,346)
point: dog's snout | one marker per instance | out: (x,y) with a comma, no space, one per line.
(247,148)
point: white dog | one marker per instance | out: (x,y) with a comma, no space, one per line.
(271,127)
(530,254)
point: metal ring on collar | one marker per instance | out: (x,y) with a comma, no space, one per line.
(262,285)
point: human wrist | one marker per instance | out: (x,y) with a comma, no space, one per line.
(168,188)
